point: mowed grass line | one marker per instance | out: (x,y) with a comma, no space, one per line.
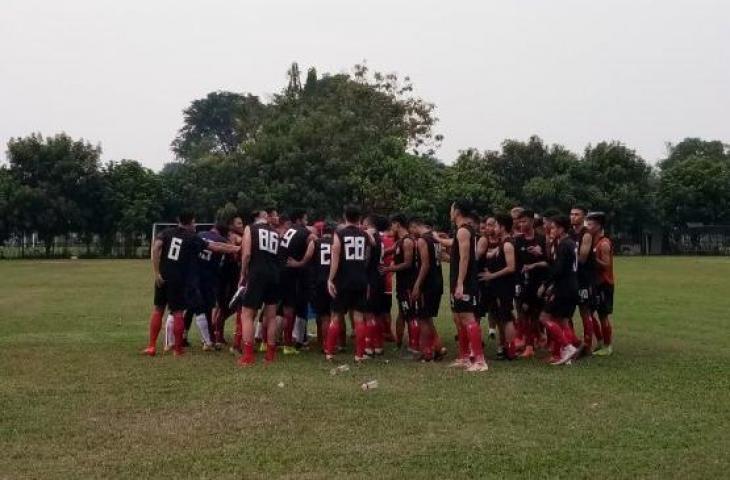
(78,401)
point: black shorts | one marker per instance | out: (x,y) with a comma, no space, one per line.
(261,290)
(171,295)
(485,301)
(467,304)
(201,297)
(603,299)
(527,300)
(321,300)
(428,305)
(347,300)
(585,295)
(406,307)
(561,307)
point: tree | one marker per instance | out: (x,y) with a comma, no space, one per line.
(58,178)
(471,177)
(219,124)
(693,147)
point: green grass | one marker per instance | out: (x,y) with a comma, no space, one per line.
(78,401)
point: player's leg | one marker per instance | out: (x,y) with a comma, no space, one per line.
(605,310)
(272,332)
(474,331)
(358,321)
(462,337)
(155,323)
(248,317)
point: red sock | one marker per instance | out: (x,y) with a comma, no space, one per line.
(607,330)
(463,343)
(475,340)
(288,330)
(597,330)
(414,334)
(248,355)
(387,327)
(270,352)
(378,335)
(155,326)
(530,333)
(426,342)
(587,330)
(569,334)
(360,334)
(511,350)
(437,345)
(556,335)
(239,331)
(332,337)
(179,331)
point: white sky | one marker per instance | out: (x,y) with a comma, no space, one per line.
(574,72)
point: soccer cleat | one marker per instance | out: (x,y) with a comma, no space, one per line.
(369,351)
(527,352)
(329,357)
(235,351)
(208,347)
(566,355)
(460,363)
(604,352)
(501,355)
(218,346)
(361,360)
(149,351)
(289,351)
(377,351)
(492,334)
(244,361)
(478,367)
(439,354)
(262,347)
(178,352)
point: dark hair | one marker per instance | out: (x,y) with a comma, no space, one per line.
(271,209)
(222,228)
(186,217)
(474,216)
(255,214)
(581,208)
(416,220)
(550,213)
(562,221)
(380,222)
(527,213)
(232,218)
(599,217)
(329,228)
(463,206)
(400,219)
(352,213)
(297,214)
(504,220)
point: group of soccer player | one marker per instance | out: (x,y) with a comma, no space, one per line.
(523,273)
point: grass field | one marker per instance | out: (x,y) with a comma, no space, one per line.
(78,401)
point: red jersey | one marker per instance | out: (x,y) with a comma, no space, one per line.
(387,260)
(603,275)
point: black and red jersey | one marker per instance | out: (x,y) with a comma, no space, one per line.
(352,272)
(180,248)
(470,280)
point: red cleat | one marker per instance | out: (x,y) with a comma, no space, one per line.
(178,352)
(149,351)
(244,361)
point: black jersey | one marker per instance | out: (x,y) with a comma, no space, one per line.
(293,243)
(180,249)
(404,279)
(470,280)
(209,262)
(504,285)
(524,257)
(264,251)
(563,272)
(586,271)
(354,250)
(434,281)
(376,280)
(322,260)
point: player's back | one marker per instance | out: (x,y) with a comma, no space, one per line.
(180,247)
(470,280)
(352,270)
(208,262)
(565,269)
(434,277)
(322,260)
(264,251)
(405,278)
(294,243)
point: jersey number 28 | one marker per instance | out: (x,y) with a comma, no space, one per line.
(354,248)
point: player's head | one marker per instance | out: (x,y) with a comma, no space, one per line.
(235,224)
(595,222)
(488,226)
(352,214)
(399,225)
(380,223)
(298,216)
(474,219)
(417,226)
(578,216)
(503,224)
(515,213)
(460,210)
(260,216)
(283,223)
(186,218)
(560,225)
(329,229)
(272,216)
(526,220)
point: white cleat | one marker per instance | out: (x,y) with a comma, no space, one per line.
(478,367)
(566,355)
(460,363)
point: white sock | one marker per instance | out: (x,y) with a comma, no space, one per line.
(299,329)
(170,331)
(202,322)
(257,332)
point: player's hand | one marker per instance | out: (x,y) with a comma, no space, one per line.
(459,292)
(527,268)
(486,276)
(493,252)
(159,281)
(416,294)
(383,269)
(331,288)
(290,262)
(535,250)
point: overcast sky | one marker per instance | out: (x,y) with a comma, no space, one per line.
(574,72)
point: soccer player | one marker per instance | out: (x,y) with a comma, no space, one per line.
(173,253)
(428,288)
(348,282)
(386,320)
(464,290)
(229,276)
(603,283)
(376,287)
(562,293)
(586,270)
(515,213)
(260,275)
(531,259)
(405,275)
(320,298)
(486,304)
(296,248)
(500,276)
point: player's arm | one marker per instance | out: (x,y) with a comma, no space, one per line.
(444,241)
(156,254)
(407,258)
(423,270)
(245,254)
(482,246)
(509,257)
(604,259)
(585,247)
(222,247)
(308,254)
(334,264)
(463,237)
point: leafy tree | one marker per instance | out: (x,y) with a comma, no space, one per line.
(693,147)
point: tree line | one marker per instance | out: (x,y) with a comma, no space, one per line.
(332,139)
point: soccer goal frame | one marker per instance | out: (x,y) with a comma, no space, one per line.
(157,227)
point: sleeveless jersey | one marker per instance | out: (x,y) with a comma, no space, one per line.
(322,260)
(434,281)
(264,250)
(603,275)
(180,248)
(293,243)
(524,257)
(404,279)
(352,270)
(376,280)
(586,270)
(470,280)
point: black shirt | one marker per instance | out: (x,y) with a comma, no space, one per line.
(264,251)
(523,257)
(434,281)
(376,280)
(322,260)
(470,280)
(404,279)
(352,270)
(563,272)
(586,271)
(180,248)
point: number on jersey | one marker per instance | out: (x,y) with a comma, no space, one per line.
(206,255)
(268,241)
(287,237)
(174,252)
(437,253)
(325,254)
(354,248)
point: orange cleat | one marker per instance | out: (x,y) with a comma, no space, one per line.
(528,352)
(149,351)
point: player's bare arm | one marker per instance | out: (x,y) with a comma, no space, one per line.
(245,254)
(423,270)
(509,257)
(463,237)
(308,254)
(334,266)
(585,247)
(156,252)
(482,247)
(604,258)
(221,247)
(407,258)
